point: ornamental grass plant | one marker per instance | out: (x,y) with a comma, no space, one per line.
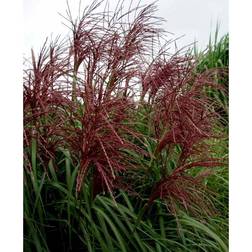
(123,146)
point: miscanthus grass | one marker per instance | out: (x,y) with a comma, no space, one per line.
(124,149)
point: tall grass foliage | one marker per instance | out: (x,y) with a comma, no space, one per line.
(120,138)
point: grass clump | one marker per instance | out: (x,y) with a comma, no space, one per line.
(122,141)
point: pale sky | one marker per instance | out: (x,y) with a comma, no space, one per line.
(193,18)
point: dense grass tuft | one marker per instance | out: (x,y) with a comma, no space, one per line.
(125,148)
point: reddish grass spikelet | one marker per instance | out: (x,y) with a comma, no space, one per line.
(183,116)
(110,47)
(42,97)
(106,52)
(181,189)
(163,73)
(184,113)
(101,141)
